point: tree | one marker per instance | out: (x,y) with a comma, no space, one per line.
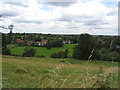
(29,52)
(48,45)
(54,43)
(66,53)
(57,43)
(5,41)
(115,45)
(6,51)
(85,48)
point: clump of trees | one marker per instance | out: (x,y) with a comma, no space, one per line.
(6,51)
(90,48)
(60,54)
(111,56)
(29,52)
(54,43)
(113,52)
(86,48)
(115,45)
(5,41)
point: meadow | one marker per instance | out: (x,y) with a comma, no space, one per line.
(33,72)
(43,51)
(46,72)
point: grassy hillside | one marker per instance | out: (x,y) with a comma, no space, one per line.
(21,72)
(42,51)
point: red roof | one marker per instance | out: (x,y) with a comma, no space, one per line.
(20,41)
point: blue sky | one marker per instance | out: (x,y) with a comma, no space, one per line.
(96,17)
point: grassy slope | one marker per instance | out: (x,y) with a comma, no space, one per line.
(43,51)
(47,72)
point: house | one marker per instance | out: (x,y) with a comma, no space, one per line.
(29,43)
(66,42)
(20,41)
(44,42)
(41,43)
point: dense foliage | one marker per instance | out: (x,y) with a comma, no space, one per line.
(29,52)
(86,47)
(60,54)
(115,45)
(6,39)
(54,43)
(112,56)
(6,51)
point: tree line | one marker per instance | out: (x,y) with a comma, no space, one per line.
(87,47)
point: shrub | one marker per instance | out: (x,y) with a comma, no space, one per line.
(104,51)
(54,43)
(6,51)
(115,44)
(29,52)
(60,54)
(96,55)
(112,56)
(48,45)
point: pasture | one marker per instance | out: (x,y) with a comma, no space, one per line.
(32,72)
(43,51)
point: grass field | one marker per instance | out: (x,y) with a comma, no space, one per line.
(42,51)
(24,72)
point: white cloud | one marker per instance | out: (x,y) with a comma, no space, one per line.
(91,17)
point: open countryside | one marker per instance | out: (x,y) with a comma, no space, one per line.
(45,71)
(58,73)
(55,45)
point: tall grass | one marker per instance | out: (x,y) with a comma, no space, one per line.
(101,79)
(52,73)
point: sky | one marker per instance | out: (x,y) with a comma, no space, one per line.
(96,17)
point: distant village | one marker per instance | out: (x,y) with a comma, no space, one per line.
(38,42)
(103,40)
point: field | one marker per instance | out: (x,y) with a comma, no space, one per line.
(24,72)
(42,51)
(46,72)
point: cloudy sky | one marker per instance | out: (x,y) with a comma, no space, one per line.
(95,17)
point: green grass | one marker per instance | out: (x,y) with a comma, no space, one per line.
(24,72)
(42,51)
(11,45)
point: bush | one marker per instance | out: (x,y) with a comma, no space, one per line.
(6,51)
(115,45)
(54,43)
(96,54)
(111,56)
(104,51)
(60,54)
(29,52)
(48,45)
